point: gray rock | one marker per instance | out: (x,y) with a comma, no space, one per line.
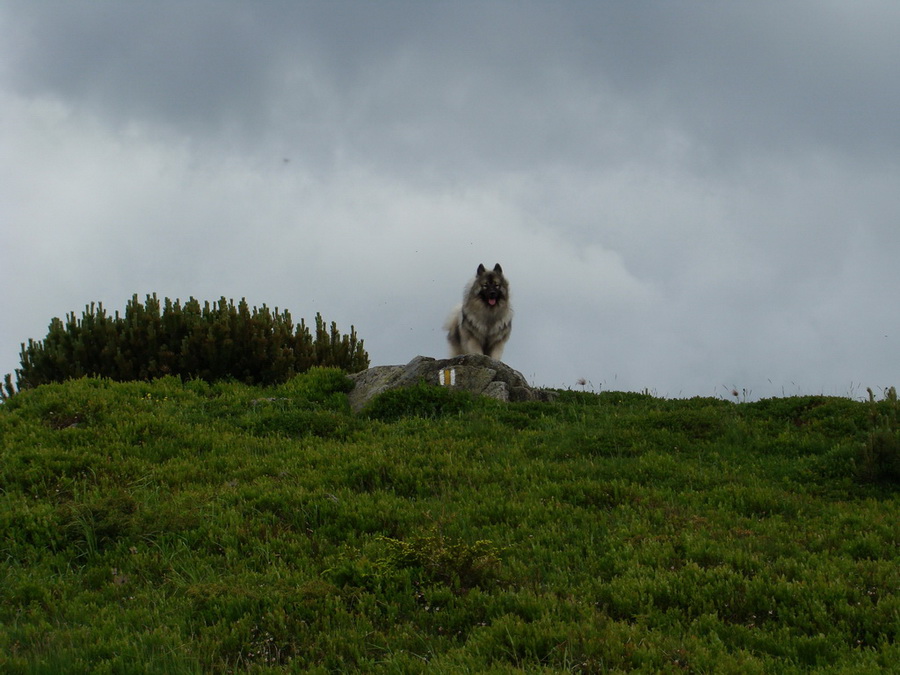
(497,389)
(478,374)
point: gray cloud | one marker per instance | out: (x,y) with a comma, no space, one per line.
(686,196)
(463,85)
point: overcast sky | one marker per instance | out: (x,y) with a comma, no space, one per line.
(687,197)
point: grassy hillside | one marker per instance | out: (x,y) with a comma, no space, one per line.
(222,528)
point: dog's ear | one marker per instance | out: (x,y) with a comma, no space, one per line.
(498,269)
(480,269)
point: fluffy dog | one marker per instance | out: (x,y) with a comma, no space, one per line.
(483,322)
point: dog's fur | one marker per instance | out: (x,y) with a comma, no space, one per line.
(482,323)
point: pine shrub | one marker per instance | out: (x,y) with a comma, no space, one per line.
(213,341)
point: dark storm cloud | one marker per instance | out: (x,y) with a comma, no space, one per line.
(458,87)
(184,63)
(779,75)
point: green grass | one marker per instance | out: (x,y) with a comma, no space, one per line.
(167,527)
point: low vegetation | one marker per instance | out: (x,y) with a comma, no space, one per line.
(200,527)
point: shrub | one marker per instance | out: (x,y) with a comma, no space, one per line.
(444,560)
(420,400)
(210,342)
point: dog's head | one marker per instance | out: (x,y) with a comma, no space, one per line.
(491,286)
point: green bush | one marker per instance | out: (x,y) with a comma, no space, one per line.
(209,342)
(444,560)
(420,400)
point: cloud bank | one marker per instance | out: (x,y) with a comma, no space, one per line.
(686,199)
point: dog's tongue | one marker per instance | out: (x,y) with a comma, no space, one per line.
(492,301)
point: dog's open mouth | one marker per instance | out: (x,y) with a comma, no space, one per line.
(492,301)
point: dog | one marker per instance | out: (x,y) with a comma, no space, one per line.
(483,322)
